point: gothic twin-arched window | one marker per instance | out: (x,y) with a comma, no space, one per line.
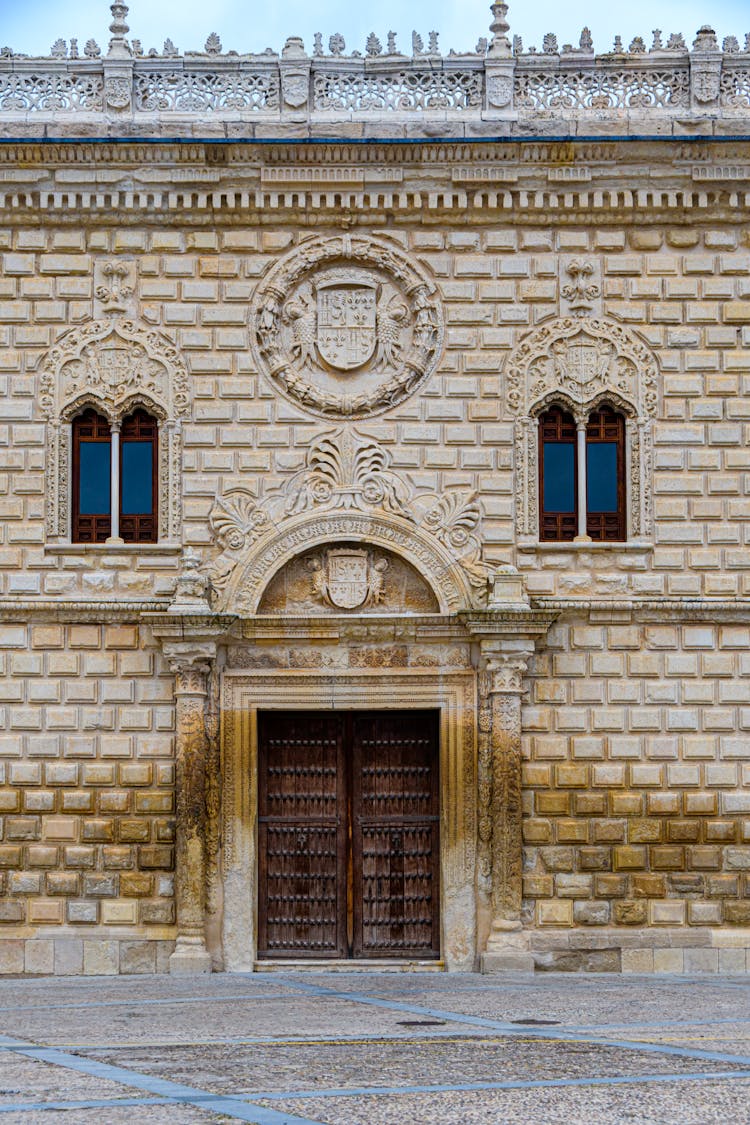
(115,478)
(582,484)
(115,395)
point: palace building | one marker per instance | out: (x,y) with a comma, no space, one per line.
(375,505)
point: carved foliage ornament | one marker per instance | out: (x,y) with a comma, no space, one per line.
(347,326)
(348,471)
(582,358)
(112,363)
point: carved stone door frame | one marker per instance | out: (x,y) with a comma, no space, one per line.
(245,692)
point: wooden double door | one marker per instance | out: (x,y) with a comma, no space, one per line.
(349,853)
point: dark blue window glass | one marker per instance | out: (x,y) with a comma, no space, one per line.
(137,478)
(559,477)
(94,480)
(601,476)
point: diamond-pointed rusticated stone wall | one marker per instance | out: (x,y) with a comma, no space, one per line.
(346,350)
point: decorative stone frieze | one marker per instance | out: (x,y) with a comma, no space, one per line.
(347,326)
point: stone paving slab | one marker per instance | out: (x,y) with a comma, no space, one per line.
(319,1049)
(647,1104)
(248,1070)
(35,1080)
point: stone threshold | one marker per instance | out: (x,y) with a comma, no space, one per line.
(342,965)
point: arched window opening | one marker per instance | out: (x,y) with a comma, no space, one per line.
(558,500)
(605,475)
(91,478)
(139,438)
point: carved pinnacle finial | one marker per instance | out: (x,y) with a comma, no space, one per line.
(500,27)
(118,44)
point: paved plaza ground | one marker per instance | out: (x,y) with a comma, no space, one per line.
(375,1049)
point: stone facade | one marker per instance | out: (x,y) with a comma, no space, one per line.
(594,697)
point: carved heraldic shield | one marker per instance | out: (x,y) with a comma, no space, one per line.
(347,323)
(347,578)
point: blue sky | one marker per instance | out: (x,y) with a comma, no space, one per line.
(32,26)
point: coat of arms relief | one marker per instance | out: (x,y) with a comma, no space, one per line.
(348,472)
(347,326)
(348,578)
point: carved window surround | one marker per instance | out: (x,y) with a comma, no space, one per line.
(580,363)
(115,366)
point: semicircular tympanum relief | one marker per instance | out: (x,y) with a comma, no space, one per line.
(344,577)
(347,326)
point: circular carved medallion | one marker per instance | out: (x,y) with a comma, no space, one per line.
(347,326)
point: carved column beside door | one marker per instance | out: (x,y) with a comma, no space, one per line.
(191,692)
(501,685)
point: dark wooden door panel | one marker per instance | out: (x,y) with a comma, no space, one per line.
(395,803)
(348,834)
(302,835)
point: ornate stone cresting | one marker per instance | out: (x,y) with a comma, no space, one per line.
(494,78)
(191,669)
(348,487)
(347,326)
(580,362)
(114,365)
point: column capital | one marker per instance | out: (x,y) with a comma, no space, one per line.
(191,665)
(505,663)
(506,675)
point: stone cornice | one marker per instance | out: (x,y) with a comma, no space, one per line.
(248,183)
(77,611)
(536,618)
(652,609)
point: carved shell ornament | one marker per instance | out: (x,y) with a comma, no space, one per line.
(347,326)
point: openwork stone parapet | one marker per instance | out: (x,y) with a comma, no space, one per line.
(199,92)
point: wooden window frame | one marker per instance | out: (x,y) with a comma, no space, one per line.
(557,527)
(94,528)
(607,424)
(141,527)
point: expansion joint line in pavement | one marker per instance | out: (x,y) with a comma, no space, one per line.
(174,1092)
(513,1031)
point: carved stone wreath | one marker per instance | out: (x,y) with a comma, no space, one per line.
(347,326)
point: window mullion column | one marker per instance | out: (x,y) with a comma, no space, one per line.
(582,536)
(114,504)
